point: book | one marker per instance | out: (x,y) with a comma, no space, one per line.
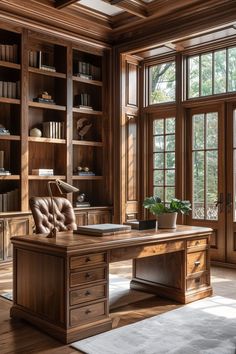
(142,224)
(42,171)
(103,229)
(43,100)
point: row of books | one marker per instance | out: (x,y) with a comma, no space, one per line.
(54,130)
(9,52)
(83,99)
(43,171)
(41,60)
(10,89)
(9,201)
(88,71)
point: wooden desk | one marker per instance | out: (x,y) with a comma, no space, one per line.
(61,285)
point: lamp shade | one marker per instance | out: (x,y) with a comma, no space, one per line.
(65,187)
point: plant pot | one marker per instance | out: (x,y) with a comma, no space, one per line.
(167,221)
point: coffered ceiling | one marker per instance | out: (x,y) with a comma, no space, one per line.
(125,22)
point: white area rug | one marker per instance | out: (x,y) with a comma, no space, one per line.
(206,326)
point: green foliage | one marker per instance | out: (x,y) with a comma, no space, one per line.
(157,206)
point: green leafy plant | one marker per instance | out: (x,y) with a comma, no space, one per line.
(157,206)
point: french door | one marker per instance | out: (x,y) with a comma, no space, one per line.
(206,174)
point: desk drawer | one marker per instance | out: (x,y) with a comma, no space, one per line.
(195,283)
(87,294)
(85,314)
(87,276)
(196,262)
(197,243)
(87,260)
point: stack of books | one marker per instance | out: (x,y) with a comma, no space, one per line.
(53,130)
(10,89)
(9,201)
(4,172)
(4,131)
(41,60)
(88,71)
(9,52)
(42,171)
(83,100)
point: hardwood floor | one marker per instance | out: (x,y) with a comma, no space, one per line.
(20,337)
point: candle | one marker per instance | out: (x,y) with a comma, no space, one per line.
(1,159)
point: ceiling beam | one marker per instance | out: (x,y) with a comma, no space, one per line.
(135,7)
(64,3)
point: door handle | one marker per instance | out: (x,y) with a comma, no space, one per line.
(228,201)
(220,202)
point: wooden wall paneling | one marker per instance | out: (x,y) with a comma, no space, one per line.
(24,122)
(69,116)
(107,126)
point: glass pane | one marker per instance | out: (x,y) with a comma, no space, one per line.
(212,130)
(232,69)
(193,90)
(159,192)
(206,74)
(169,194)
(162,83)
(170,177)
(170,126)
(158,126)
(198,131)
(158,143)
(198,185)
(220,71)
(158,160)
(211,184)
(158,177)
(170,143)
(170,160)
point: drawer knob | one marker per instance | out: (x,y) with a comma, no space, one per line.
(87,259)
(88,275)
(88,311)
(197,263)
(87,293)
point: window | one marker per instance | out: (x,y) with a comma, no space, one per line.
(162,83)
(164,158)
(211,73)
(205,165)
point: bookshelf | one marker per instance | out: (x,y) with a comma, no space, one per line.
(56,121)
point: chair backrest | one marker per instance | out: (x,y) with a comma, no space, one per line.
(42,211)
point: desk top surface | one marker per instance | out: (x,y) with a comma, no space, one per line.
(67,241)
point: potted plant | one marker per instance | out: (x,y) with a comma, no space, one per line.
(167,213)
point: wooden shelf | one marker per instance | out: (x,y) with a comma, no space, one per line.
(46,140)
(87,143)
(8,64)
(9,100)
(10,177)
(35,177)
(10,137)
(47,106)
(47,73)
(87,81)
(87,111)
(87,178)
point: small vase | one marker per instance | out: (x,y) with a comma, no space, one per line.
(167,221)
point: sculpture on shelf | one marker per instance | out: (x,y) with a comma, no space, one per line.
(83,126)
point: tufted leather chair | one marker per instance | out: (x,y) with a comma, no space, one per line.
(41,208)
